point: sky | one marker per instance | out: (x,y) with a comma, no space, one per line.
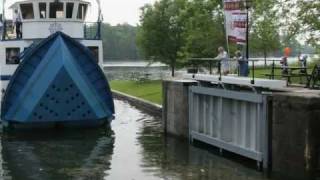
(121,11)
(114,11)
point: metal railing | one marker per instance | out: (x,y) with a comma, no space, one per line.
(92,30)
(8,31)
(212,62)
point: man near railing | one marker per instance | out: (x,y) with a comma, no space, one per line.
(18,24)
(224,63)
(303,62)
(243,64)
(1,27)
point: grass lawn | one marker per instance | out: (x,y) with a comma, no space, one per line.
(261,71)
(148,90)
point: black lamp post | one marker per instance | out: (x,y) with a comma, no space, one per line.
(3,20)
(247,5)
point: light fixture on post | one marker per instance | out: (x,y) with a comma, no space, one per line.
(247,4)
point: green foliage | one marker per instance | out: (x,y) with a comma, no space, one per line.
(160,35)
(119,42)
(309,15)
(264,36)
(301,18)
(204,28)
(148,90)
(172,31)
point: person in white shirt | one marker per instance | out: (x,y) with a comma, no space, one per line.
(303,62)
(224,61)
(18,24)
(1,29)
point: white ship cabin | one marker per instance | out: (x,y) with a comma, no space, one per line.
(41,18)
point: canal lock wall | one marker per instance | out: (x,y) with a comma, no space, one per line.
(147,106)
(296,135)
(175,114)
(292,136)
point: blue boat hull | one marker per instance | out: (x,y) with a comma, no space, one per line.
(58,82)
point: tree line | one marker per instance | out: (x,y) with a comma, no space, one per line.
(172,31)
(119,42)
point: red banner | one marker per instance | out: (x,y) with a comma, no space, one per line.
(235,21)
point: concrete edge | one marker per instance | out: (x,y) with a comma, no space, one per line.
(148,106)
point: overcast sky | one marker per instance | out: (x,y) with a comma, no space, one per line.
(121,11)
(114,11)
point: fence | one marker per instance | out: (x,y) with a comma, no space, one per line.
(287,72)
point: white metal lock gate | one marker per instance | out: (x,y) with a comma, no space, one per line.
(230,120)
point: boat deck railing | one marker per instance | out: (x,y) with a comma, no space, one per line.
(8,31)
(91,31)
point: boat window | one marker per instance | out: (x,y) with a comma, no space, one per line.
(43,10)
(27,11)
(12,55)
(69,10)
(56,10)
(95,52)
(82,11)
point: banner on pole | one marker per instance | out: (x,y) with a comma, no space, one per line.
(235,21)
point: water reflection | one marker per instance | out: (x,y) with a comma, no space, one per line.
(171,158)
(135,148)
(57,154)
(142,151)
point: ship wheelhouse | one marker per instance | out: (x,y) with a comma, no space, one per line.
(40,19)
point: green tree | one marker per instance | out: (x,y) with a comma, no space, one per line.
(119,42)
(160,35)
(309,16)
(264,36)
(301,18)
(204,28)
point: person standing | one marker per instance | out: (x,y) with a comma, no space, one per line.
(284,60)
(1,28)
(284,65)
(303,62)
(18,24)
(224,61)
(243,64)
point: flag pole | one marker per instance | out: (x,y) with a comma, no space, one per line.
(225,28)
(3,2)
(3,20)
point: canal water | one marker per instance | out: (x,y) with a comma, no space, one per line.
(134,148)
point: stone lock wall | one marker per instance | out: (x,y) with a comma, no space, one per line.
(296,135)
(175,108)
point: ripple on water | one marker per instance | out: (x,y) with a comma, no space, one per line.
(134,148)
